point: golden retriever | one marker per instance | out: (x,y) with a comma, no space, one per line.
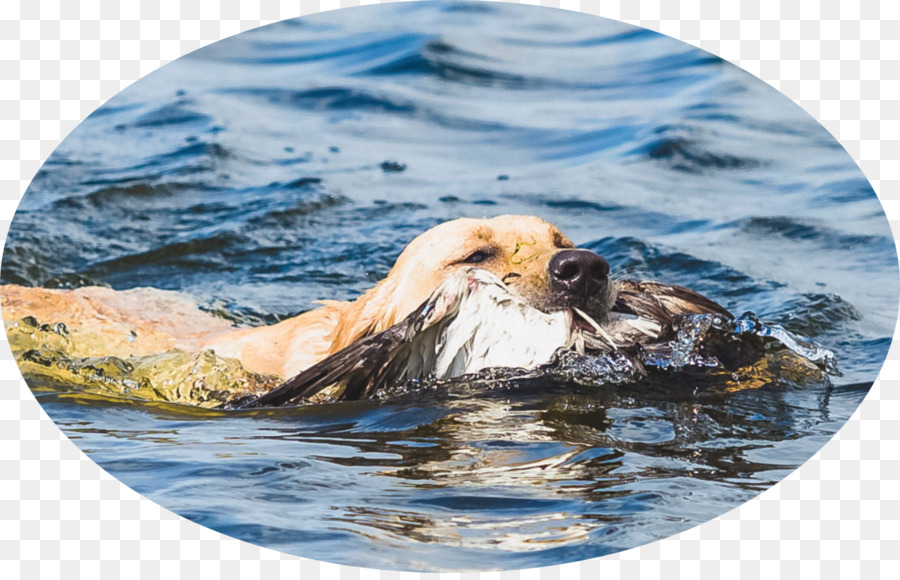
(535,262)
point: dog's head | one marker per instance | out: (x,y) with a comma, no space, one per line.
(532,257)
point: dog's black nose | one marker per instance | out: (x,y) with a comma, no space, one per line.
(579,272)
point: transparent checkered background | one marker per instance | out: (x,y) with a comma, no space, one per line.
(61,516)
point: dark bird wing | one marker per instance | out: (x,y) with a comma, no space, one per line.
(402,352)
(662,302)
(354,372)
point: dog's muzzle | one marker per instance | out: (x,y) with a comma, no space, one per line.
(579,278)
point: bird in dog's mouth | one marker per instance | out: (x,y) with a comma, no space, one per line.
(473,322)
(510,292)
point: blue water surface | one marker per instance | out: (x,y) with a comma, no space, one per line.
(293,163)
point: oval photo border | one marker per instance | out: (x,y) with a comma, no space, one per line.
(807,484)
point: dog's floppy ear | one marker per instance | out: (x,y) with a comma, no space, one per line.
(662,302)
(373,312)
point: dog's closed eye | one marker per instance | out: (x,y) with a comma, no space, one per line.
(477,257)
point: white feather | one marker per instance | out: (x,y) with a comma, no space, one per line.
(493,328)
(475,323)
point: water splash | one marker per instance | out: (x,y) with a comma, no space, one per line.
(749,323)
(733,349)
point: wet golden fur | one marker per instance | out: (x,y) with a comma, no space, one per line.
(517,249)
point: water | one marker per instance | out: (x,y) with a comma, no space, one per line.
(294,162)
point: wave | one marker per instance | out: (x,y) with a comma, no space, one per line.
(634,256)
(439,59)
(328,98)
(178,113)
(130,195)
(816,314)
(795,229)
(688,149)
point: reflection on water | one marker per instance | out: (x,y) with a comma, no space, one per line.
(293,163)
(529,470)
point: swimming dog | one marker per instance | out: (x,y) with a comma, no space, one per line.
(500,286)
